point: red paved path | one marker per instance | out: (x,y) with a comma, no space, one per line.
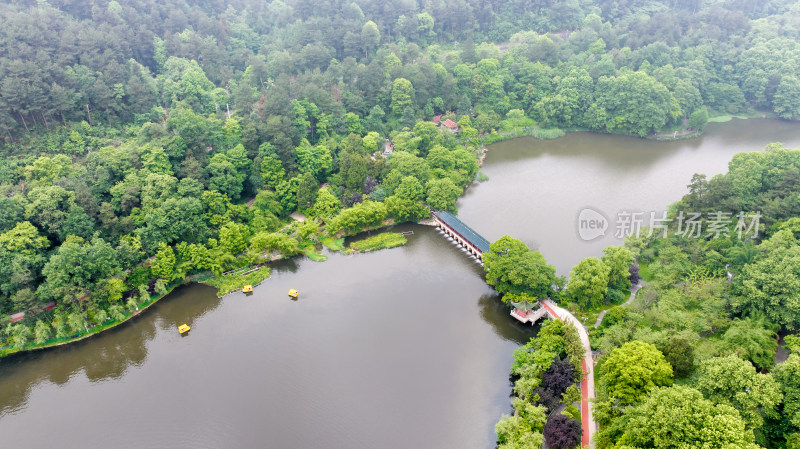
(585,422)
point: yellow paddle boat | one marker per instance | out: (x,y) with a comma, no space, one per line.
(247,289)
(293,293)
(183,328)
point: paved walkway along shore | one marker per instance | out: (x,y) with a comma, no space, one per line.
(587,386)
(634,289)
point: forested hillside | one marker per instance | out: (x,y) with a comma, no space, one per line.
(567,64)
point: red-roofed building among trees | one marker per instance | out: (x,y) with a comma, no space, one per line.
(450,125)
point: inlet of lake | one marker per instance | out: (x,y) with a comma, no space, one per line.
(398,348)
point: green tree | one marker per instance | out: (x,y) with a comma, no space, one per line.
(514,433)
(442,194)
(370,37)
(516,116)
(786,374)
(307,191)
(315,160)
(679,352)
(233,237)
(405,210)
(631,371)
(772,283)
(511,267)
(588,282)
(406,203)
(266,242)
(752,339)
(635,103)
(20,334)
(76,322)
(619,260)
(354,124)
(163,264)
(287,194)
(77,267)
(48,207)
(402,96)
(224,177)
(41,332)
(786,101)
(160,287)
(116,312)
(272,172)
(685,419)
(735,382)
(326,205)
(358,218)
(441,158)
(699,119)
(406,164)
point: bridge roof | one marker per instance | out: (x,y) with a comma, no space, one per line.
(468,233)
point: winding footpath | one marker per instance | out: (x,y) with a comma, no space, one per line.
(634,289)
(587,386)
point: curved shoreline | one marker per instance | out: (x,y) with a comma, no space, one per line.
(97,330)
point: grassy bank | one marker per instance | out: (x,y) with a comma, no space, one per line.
(535,132)
(380,241)
(234,281)
(334,244)
(722,118)
(312,253)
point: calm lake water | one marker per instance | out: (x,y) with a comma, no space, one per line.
(537,188)
(396,349)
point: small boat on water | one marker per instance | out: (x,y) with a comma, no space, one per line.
(293,293)
(247,289)
(183,328)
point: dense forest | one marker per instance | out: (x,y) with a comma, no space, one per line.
(147,143)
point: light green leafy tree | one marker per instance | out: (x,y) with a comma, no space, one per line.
(752,339)
(326,205)
(787,98)
(771,285)
(619,260)
(370,37)
(442,194)
(402,96)
(631,371)
(679,417)
(735,382)
(511,267)
(588,282)
(20,334)
(516,116)
(163,265)
(786,374)
(233,237)
(41,332)
(272,172)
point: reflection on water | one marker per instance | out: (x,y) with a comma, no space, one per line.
(397,348)
(495,312)
(103,357)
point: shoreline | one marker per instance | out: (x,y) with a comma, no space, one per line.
(97,330)
(200,279)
